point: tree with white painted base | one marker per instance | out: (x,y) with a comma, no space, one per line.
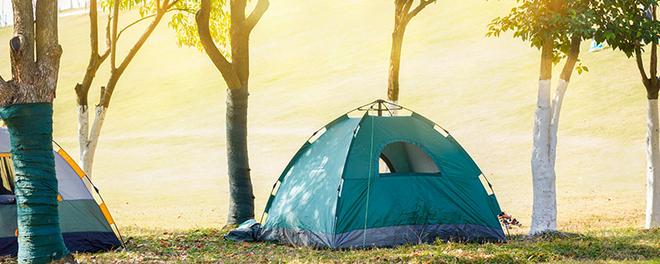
(557,28)
(149,10)
(403,13)
(628,28)
(222,29)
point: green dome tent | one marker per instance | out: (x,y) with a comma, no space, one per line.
(85,221)
(387,177)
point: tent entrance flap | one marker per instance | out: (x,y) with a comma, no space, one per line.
(6,175)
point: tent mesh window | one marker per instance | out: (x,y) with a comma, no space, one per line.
(402,158)
(6,175)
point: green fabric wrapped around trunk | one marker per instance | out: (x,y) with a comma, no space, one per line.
(31,129)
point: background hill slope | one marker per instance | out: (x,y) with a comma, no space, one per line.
(161,160)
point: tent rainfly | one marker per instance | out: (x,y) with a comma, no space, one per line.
(384,178)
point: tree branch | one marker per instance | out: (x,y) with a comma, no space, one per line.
(147,17)
(654,63)
(406,7)
(256,14)
(106,93)
(108,41)
(46,27)
(93,27)
(167,4)
(640,64)
(419,8)
(546,59)
(22,52)
(226,69)
(136,47)
(572,59)
(49,50)
(113,42)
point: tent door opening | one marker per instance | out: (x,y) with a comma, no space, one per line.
(400,158)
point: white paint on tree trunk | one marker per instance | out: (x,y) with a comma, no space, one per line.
(653,166)
(554,123)
(88,151)
(544,211)
(83,129)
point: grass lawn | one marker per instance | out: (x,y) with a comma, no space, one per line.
(208,246)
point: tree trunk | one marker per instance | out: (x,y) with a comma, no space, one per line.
(236,75)
(544,211)
(30,129)
(653,166)
(395,64)
(241,203)
(88,149)
(83,129)
(26,108)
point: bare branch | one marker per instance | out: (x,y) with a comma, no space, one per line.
(226,69)
(572,59)
(256,14)
(640,63)
(406,7)
(419,8)
(113,42)
(654,63)
(107,92)
(93,27)
(136,47)
(104,56)
(147,17)
(108,41)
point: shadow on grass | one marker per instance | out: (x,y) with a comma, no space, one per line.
(601,246)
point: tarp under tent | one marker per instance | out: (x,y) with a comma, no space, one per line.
(85,221)
(385,177)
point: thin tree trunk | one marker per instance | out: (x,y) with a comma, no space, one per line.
(544,210)
(83,129)
(395,64)
(89,152)
(236,75)
(653,166)
(241,203)
(88,140)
